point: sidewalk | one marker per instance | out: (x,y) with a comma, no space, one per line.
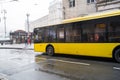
(3,77)
(17,46)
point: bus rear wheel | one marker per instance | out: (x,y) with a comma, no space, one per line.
(117,55)
(50,51)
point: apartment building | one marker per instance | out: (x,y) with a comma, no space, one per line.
(105,5)
(66,9)
(43,21)
(55,12)
(54,16)
(76,8)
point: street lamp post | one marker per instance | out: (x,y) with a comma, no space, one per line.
(4,12)
(28,21)
(4,18)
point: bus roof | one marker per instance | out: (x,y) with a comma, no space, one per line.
(88,17)
(94,16)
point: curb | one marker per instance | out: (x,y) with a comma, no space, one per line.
(16,48)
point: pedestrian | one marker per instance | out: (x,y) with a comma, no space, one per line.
(29,41)
(26,42)
(96,37)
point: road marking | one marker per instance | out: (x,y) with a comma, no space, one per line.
(42,58)
(117,68)
(80,63)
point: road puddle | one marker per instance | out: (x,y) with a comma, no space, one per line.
(68,69)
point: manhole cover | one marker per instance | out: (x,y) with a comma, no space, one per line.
(3,77)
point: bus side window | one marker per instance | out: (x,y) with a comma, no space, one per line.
(114,31)
(91,37)
(85,37)
(60,34)
(52,34)
(101,38)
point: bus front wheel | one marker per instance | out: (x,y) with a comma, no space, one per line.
(50,51)
(117,55)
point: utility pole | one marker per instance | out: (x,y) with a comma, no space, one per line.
(28,21)
(4,12)
(4,18)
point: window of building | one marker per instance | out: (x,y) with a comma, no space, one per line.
(110,0)
(71,3)
(90,1)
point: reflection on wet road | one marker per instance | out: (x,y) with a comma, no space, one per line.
(24,64)
(80,69)
(11,59)
(18,64)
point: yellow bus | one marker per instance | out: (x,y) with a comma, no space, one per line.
(95,35)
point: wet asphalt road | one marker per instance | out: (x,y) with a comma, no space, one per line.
(23,64)
(17,64)
(81,68)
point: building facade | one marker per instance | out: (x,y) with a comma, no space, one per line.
(105,5)
(39,22)
(55,12)
(54,16)
(66,9)
(18,36)
(76,8)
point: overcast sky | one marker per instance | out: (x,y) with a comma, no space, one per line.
(16,13)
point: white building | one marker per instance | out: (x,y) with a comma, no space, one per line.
(39,22)
(55,12)
(105,5)
(55,16)
(77,8)
(66,9)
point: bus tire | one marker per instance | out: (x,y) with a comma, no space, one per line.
(50,51)
(117,55)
